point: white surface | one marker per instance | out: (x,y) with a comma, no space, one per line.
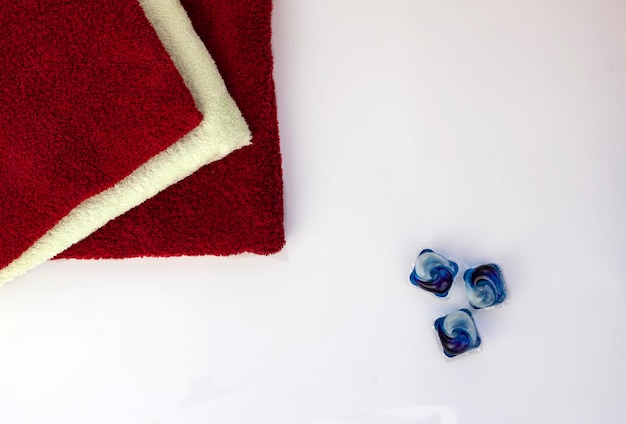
(487,130)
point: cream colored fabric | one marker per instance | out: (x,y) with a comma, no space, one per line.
(222,131)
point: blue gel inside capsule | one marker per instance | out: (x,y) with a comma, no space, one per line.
(485,286)
(457,332)
(433,273)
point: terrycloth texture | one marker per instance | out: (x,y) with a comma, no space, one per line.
(231,206)
(88,94)
(221,131)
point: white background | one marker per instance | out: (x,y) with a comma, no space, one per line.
(489,130)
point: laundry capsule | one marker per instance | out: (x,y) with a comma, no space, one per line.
(457,332)
(485,286)
(434,273)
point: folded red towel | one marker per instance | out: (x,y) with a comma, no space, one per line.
(233,205)
(88,95)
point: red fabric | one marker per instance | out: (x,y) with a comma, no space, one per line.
(233,205)
(88,93)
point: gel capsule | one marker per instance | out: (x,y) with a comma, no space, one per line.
(457,332)
(433,273)
(485,286)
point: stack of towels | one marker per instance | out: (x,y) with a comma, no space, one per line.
(136,128)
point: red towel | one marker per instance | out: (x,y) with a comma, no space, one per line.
(88,94)
(231,206)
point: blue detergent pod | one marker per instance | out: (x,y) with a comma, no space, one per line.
(433,273)
(457,332)
(485,286)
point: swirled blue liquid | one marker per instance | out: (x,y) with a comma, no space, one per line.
(457,332)
(485,286)
(433,273)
